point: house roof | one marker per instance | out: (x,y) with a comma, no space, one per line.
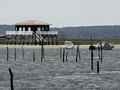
(32,22)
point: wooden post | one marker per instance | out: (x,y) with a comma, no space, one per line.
(23,38)
(11,79)
(52,40)
(6,40)
(77,54)
(23,51)
(42,50)
(91,59)
(101,51)
(11,39)
(63,55)
(33,56)
(7,53)
(56,41)
(97,66)
(48,40)
(91,53)
(60,52)
(15,39)
(15,54)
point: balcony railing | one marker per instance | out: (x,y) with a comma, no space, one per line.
(47,32)
(31,32)
(19,32)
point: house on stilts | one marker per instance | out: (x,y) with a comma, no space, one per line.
(32,32)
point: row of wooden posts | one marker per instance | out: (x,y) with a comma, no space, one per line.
(15,39)
(10,71)
(100,55)
(63,54)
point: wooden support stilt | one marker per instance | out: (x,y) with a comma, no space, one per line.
(52,40)
(56,41)
(48,40)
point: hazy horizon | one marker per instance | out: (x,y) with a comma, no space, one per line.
(61,13)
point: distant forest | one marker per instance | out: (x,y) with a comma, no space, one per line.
(79,32)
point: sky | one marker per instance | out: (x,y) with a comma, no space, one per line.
(61,13)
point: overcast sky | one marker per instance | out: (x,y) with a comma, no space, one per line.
(61,13)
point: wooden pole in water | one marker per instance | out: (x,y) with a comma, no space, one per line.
(11,79)
(91,53)
(97,66)
(23,51)
(33,56)
(15,54)
(42,52)
(77,54)
(7,53)
(63,55)
(60,52)
(101,51)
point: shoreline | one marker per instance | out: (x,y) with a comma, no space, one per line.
(46,46)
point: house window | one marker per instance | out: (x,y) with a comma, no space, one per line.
(23,28)
(38,29)
(20,29)
(29,28)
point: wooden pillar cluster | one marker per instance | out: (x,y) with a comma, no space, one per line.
(31,39)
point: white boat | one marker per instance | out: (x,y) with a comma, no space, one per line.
(68,45)
(105,46)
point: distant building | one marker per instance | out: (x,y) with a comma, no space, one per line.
(32,25)
(32,31)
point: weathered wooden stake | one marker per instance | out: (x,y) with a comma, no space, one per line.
(7,53)
(91,53)
(15,54)
(11,79)
(42,50)
(97,66)
(101,51)
(63,55)
(77,54)
(23,51)
(33,56)
(60,52)
(91,59)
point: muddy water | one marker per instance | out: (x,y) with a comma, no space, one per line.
(53,74)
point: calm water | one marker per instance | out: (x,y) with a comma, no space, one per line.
(53,74)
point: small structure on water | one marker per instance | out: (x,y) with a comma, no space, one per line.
(32,31)
(104,45)
(68,45)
